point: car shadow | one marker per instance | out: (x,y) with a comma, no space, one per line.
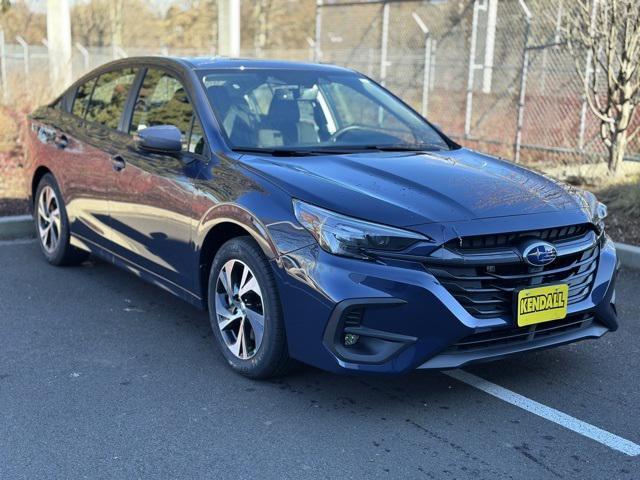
(366,393)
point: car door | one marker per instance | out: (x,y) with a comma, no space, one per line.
(89,175)
(82,169)
(152,200)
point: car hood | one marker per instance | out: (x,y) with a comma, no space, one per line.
(409,188)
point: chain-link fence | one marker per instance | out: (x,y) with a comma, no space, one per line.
(24,68)
(492,73)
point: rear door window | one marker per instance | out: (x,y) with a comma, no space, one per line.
(109,97)
(83,94)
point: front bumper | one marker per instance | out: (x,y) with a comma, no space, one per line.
(406,319)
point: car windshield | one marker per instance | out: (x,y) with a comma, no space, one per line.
(277,110)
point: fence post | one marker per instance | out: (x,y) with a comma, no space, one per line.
(472,69)
(25,54)
(384,42)
(45,42)
(432,74)
(587,75)
(523,83)
(556,37)
(317,53)
(427,63)
(312,48)
(119,52)
(85,56)
(3,68)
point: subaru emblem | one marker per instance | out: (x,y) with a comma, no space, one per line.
(538,253)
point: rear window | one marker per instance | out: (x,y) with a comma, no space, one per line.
(83,94)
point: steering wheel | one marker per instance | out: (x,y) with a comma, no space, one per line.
(335,137)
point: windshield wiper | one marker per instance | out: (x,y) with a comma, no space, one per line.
(400,147)
(339,149)
(284,152)
(276,152)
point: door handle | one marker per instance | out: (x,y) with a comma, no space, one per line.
(118,163)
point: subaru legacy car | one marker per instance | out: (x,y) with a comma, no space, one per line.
(316,216)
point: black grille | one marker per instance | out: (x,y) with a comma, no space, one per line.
(352,316)
(487,290)
(508,239)
(513,335)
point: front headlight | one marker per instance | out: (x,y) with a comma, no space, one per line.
(598,210)
(342,235)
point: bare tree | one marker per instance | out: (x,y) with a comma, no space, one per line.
(18,19)
(90,22)
(604,39)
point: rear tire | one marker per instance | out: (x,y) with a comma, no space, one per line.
(245,311)
(52,225)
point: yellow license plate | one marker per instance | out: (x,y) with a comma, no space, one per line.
(542,304)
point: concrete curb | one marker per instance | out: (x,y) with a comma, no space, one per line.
(19,226)
(629,255)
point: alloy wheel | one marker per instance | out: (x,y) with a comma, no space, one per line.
(48,219)
(239,309)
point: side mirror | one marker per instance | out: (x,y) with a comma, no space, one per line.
(160,138)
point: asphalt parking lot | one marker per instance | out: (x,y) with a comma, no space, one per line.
(105,376)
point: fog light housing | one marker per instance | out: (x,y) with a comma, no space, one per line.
(350,339)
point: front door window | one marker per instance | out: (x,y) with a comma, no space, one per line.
(162,100)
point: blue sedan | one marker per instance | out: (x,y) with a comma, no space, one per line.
(316,216)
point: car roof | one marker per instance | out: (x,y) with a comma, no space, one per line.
(209,63)
(205,63)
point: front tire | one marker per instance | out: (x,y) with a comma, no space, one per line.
(52,225)
(245,311)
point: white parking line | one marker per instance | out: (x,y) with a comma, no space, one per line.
(602,436)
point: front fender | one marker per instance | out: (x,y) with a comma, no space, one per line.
(251,202)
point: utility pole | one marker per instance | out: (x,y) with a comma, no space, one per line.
(487,72)
(116,26)
(384,43)
(229,28)
(59,38)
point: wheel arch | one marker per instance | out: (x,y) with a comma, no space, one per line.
(237,222)
(40,172)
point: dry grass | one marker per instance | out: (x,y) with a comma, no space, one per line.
(8,131)
(623,199)
(23,95)
(621,194)
(594,175)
